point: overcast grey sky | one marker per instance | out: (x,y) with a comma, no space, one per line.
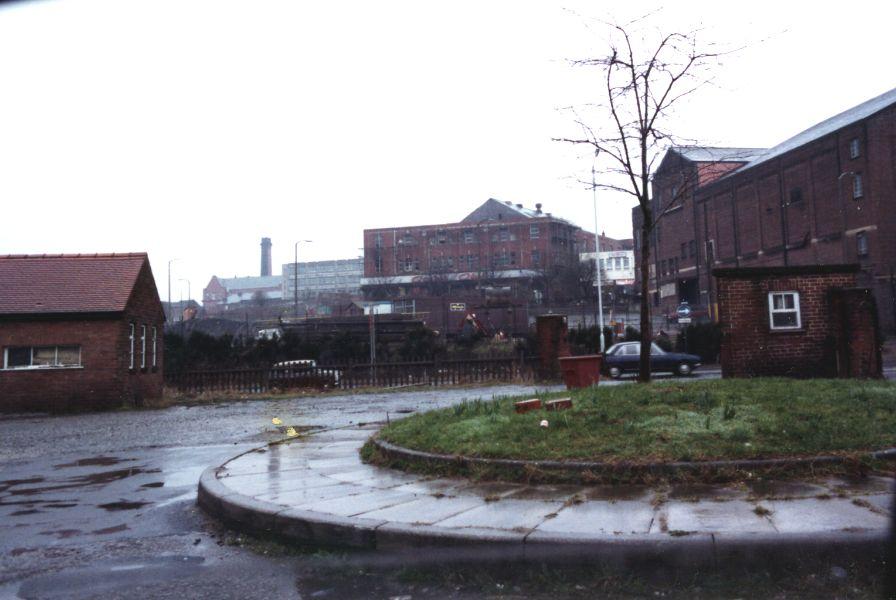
(190,129)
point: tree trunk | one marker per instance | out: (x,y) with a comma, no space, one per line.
(646,326)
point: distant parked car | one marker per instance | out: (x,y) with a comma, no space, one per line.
(625,358)
(290,369)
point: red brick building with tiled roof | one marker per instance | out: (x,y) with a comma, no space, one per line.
(78,331)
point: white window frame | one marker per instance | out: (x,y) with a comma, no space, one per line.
(858,190)
(154,346)
(862,244)
(55,364)
(534,232)
(143,346)
(131,339)
(772,311)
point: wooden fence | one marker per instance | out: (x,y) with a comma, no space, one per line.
(356,375)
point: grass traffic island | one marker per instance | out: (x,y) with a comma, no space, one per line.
(710,431)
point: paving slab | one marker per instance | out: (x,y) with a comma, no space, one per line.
(813,515)
(514,515)
(735,516)
(366,501)
(424,510)
(600,518)
(306,495)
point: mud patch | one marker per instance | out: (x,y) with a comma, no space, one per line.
(123,505)
(100,478)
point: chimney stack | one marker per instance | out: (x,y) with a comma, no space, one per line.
(538,208)
(265,257)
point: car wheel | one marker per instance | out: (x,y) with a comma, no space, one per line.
(615,372)
(684,369)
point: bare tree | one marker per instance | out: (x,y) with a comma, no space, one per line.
(645,77)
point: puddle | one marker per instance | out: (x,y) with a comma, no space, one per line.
(405,411)
(5,485)
(61,505)
(107,530)
(154,484)
(24,512)
(122,505)
(62,534)
(559,493)
(861,485)
(96,461)
(702,491)
(615,492)
(784,489)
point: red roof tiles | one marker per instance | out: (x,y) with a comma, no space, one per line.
(67,283)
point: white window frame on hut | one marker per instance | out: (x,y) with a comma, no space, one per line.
(781,308)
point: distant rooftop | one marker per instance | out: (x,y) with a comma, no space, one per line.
(713,154)
(235,284)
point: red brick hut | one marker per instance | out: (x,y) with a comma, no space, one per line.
(798,321)
(78,332)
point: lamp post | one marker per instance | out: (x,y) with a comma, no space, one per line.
(600,302)
(169,287)
(295,278)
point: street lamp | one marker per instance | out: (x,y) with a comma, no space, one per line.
(295,278)
(600,302)
(169,287)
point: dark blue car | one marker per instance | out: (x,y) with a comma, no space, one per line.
(625,358)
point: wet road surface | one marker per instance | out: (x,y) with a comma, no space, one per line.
(103,505)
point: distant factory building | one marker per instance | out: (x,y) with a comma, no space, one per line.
(342,276)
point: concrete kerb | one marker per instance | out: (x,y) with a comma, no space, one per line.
(594,468)
(681,550)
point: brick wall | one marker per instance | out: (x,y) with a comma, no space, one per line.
(751,348)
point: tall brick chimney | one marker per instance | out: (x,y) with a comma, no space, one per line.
(265,257)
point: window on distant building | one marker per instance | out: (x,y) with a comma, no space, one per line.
(857,190)
(692,248)
(796,195)
(378,240)
(862,243)
(411,264)
(784,310)
(504,234)
(143,346)
(131,340)
(663,267)
(684,250)
(855,149)
(154,347)
(536,257)
(533,232)
(469,237)
(25,357)
(378,262)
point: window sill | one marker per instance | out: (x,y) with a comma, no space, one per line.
(791,330)
(45,368)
